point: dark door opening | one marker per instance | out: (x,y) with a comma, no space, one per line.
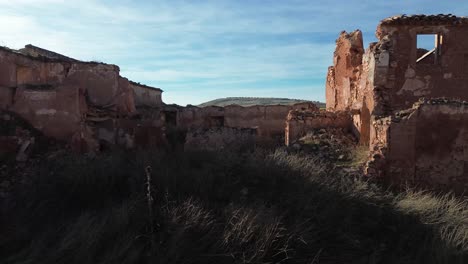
(217,121)
(170,118)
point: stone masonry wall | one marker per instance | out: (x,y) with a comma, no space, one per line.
(401,81)
(64,98)
(350,82)
(298,123)
(426,145)
(343,76)
(267,120)
(422,143)
(146,96)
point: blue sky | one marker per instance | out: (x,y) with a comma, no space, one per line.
(201,50)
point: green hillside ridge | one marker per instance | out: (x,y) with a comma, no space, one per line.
(251,101)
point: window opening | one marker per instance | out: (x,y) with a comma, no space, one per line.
(428,48)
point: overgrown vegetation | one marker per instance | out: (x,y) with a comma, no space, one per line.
(223,207)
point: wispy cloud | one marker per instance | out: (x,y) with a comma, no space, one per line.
(199,50)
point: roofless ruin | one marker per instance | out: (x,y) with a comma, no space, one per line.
(404,97)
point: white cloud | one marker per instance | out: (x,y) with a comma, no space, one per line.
(204,46)
(168,75)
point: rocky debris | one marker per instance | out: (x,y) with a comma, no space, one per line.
(313,114)
(399,115)
(442,100)
(16,139)
(333,144)
(299,123)
(20,147)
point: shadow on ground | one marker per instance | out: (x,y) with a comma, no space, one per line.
(220,207)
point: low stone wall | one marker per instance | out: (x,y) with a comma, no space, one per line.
(424,146)
(267,120)
(298,123)
(192,117)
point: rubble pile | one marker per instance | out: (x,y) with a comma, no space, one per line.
(333,144)
(20,143)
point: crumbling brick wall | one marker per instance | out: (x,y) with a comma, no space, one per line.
(268,120)
(77,102)
(201,117)
(391,77)
(343,77)
(146,96)
(53,110)
(34,51)
(19,140)
(425,145)
(349,82)
(400,80)
(299,122)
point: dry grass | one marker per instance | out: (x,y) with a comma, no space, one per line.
(225,207)
(447,213)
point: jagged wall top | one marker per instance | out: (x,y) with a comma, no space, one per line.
(440,19)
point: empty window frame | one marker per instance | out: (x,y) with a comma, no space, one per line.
(428,48)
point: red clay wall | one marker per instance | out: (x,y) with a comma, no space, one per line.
(199,117)
(267,120)
(298,123)
(56,96)
(349,83)
(402,81)
(426,145)
(343,77)
(422,144)
(54,111)
(146,96)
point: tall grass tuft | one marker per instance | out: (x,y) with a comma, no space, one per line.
(222,207)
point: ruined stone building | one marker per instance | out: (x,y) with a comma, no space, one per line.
(237,123)
(406,102)
(89,106)
(85,104)
(268,120)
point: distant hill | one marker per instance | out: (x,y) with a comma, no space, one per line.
(250,101)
